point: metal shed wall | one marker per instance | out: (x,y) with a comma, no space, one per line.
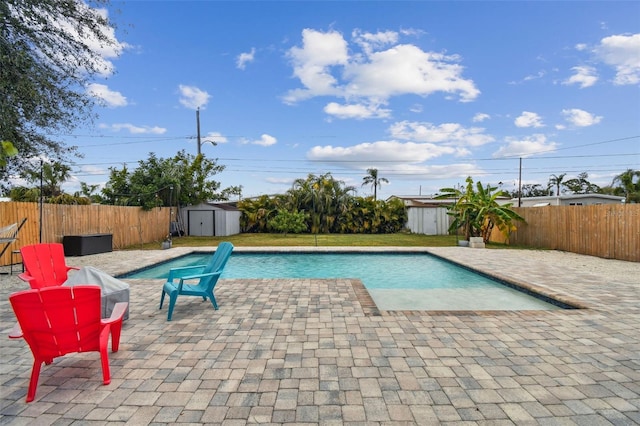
(428,220)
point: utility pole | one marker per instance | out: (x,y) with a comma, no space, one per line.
(520,185)
(198,127)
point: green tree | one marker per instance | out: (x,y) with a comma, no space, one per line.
(184,179)
(477,211)
(372,179)
(6,150)
(53,176)
(556,181)
(530,190)
(581,185)
(628,183)
(47,57)
(286,221)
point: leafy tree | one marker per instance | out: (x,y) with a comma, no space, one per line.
(529,190)
(288,221)
(53,176)
(477,212)
(581,185)
(557,182)
(6,150)
(373,180)
(47,57)
(117,191)
(628,184)
(23,193)
(184,180)
(89,191)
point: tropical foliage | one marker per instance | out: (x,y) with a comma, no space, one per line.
(627,185)
(328,207)
(476,211)
(47,184)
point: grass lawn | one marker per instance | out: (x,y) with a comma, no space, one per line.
(323,240)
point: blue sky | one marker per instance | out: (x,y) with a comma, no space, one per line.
(426,92)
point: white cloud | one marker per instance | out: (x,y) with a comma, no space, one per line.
(402,158)
(623,53)
(265,140)
(534,144)
(374,41)
(585,76)
(528,119)
(192,97)
(382,151)
(244,58)
(480,117)
(580,118)
(110,97)
(214,137)
(406,69)
(312,63)
(359,111)
(536,76)
(136,130)
(448,134)
(326,66)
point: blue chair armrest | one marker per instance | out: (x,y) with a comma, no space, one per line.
(194,277)
(178,272)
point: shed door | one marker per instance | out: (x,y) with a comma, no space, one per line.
(201,223)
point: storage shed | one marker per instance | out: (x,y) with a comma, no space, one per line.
(211,219)
(426,215)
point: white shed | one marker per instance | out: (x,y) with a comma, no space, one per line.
(211,219)
(426,215)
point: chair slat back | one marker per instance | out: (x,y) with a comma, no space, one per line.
(59,320)
(219,258)
(45,263)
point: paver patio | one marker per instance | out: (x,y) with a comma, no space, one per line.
(308,351)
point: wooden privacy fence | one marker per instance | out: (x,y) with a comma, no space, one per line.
(611,231)
(129,226)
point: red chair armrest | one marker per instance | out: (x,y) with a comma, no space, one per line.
(25,277)
(117,314)
(16,332)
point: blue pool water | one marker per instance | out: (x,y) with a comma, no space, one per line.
(398,281)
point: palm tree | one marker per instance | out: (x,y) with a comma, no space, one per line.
(53,176)
(625,181)
(556,181)
(373,180)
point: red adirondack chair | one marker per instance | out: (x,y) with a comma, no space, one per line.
(44,265)
(59,320)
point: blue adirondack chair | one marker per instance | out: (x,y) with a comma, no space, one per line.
(207,276)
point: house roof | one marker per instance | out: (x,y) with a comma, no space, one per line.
(546,198)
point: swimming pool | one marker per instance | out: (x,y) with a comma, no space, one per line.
(395,281)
